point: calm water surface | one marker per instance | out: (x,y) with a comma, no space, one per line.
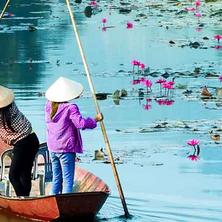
(159,182)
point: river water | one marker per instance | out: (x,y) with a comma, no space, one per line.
(148,138)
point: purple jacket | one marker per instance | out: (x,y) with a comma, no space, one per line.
(63,130)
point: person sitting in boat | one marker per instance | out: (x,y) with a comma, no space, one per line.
(63,123)
(16,131)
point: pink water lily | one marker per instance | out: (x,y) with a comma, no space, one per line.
(197,3)
(104,20)
(218,37)
(193,142)
(160,81)
(136,81)
(142,79)
(135,63)
(148,83)
(142,66)
(198,14)
(218,47)
(220,78)
(129,25)
(190,9)
(193,157)
(167,85)
(166,102)
(93,3)
(169,102)
(147,107)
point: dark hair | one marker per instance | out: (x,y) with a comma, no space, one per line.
(6,117)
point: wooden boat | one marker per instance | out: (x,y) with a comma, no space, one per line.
(89,195)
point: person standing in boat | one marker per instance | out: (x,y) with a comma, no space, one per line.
(64,122)
(16,131)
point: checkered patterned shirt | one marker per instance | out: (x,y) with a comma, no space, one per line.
(20,124)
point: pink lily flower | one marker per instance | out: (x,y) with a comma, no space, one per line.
(197,3)
(129,25)
(104,29)
(160,102)
(160,81)
(218,47)
(193,157)
(198,14)
(135,63)
(93,3)
(136,81)
(142,80)
(193,142)
(142,66)
(171,83)
(190,9)
(147,107)
(218,37)
(148,83)
(220,78)
(169,102)
(104,20)
(166,85)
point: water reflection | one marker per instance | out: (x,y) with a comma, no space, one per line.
(31,60)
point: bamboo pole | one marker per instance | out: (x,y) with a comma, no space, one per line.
(98,110)
(5,7)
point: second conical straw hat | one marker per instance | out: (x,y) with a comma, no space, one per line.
(63,90)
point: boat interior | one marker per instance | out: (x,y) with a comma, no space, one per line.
(42,176)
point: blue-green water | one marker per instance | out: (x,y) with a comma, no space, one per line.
(159,182)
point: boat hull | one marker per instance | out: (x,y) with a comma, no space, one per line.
(83,205)
(89,195)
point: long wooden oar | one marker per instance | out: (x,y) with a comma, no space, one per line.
(5,7)
(98,110)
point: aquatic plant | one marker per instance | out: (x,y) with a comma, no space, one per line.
(167,86)
(135,63)
(148,83)
(160,81)
(193,157)
(218,47)
(142,66)
(148,106)
(220,78)
(190,9)
(167,102)
(198,14)
(136,81)
(93,3)
(218,37)
(129,25)
(104,21)
(195,144)
(197,4)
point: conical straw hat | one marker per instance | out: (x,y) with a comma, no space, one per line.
(63,90)
(6,96)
